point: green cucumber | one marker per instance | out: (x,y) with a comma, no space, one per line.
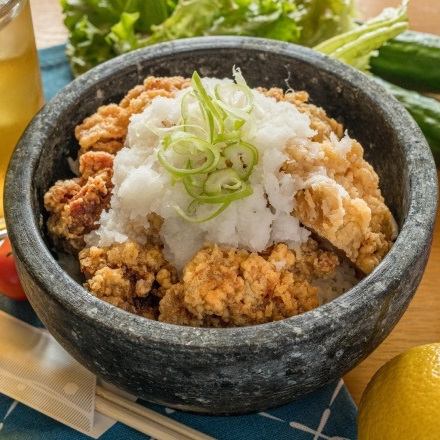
(424,110)
(411,60)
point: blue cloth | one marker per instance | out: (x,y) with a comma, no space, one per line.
(330,408)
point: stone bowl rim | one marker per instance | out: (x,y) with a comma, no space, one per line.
(52,279)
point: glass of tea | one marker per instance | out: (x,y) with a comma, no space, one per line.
(20,83)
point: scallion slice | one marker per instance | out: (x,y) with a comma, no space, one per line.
(243,157)
(206,151)
(222,179)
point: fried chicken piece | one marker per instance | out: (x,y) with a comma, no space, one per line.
(123,275)
(106,129)
(76,204)
(138,98)
(341,200)
(346,207)
(230,287)
(111,286)
(313,262)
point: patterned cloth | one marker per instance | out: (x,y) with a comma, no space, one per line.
(328,413)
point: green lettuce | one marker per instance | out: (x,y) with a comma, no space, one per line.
(101,29)
(266,18)
(323,19)
(306,22)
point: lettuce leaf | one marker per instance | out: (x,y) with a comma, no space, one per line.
(261,18)
(323,19)
(189,19)
(306,22)
(101,29)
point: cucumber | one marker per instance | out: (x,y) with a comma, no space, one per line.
(411,60)
(424,110)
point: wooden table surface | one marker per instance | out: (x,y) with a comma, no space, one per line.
(421,322)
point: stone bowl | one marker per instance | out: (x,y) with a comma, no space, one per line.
(231,370)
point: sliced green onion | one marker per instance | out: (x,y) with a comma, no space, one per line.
(228,137)
(243,157)
(207,101)
(186,143)
(224,196)
(222,179)
(210,153)
(222,163)
(238,76)
(225,94)
(197,180)
(193,124)
(206,151)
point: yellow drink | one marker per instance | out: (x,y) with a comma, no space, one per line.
(20,84)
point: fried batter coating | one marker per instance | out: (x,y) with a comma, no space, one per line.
(106,129)
(346,206)
(76,204)
(230,287)
(340,200)
(138,98)
(123,274)
(220,286)
(350,213)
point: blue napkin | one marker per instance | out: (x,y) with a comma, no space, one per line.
(328,413)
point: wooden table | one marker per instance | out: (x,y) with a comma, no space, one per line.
(421,322)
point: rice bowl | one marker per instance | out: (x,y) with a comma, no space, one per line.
(237,369)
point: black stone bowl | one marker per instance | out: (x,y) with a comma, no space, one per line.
(232,370)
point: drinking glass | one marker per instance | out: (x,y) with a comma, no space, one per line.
(20,83)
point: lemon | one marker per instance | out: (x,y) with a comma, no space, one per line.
(402,400)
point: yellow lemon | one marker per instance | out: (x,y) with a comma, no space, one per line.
(402,400)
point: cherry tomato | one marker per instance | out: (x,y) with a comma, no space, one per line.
(9,281)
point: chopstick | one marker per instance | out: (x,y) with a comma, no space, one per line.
(143,419)
(134,421)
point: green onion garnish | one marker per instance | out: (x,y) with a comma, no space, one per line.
(205,151)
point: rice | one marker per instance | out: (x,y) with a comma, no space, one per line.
(341,281)
(142,186)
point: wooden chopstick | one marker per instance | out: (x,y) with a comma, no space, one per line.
(112,402)
(135,421)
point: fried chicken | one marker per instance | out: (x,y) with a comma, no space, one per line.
(76,204)
(220,286)
(347,207)
(224,286)
(106,129)
(341,200)
(124,274)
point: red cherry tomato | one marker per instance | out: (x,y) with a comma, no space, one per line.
(9,281)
